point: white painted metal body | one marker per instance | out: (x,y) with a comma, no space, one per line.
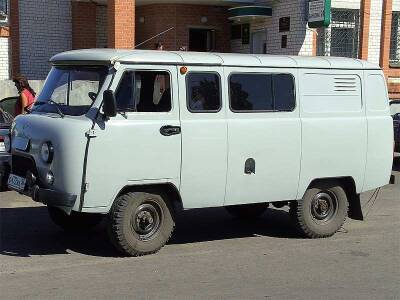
(331,133)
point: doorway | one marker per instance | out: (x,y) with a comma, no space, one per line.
(201,40)
(259,42)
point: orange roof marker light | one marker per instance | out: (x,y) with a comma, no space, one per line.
(183,70)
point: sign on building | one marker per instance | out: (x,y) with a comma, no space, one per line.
(319,13)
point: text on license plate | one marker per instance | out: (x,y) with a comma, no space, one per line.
(16,182)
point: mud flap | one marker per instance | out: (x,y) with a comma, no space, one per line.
(355,210)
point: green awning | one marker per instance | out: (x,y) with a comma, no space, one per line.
(251,11)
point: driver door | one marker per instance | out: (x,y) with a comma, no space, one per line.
(136,147)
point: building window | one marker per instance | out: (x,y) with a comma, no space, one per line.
(3,11)
(236,32)
(342,37)
(395,40)
(4,6)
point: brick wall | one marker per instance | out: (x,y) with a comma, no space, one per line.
(153,19)
(4,58)
(101,27)
(83,25)
(300,41)
(14,36)
(45,29)
(350,4)
(121,23)
(375,26)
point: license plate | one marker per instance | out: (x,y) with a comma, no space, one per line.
(2,147)
(16,182)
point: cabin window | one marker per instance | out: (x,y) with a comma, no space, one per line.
(144,91)
(203,92)
(262,92)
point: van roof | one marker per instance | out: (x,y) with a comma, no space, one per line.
(111,56)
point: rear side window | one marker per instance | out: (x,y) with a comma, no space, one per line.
(203,92)
(283,89)
(144,91)
(262,92)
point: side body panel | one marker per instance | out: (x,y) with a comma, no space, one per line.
(204,148)
(334,127)
(129,149)
(380,132)
(273,140)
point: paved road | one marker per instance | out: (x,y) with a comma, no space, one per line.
(210,256)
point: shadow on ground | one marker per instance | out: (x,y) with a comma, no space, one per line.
(29,231)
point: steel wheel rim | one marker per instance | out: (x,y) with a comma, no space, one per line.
(146,220)
(324,206)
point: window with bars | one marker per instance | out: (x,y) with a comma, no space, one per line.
(341,38)
(395,40)
(4,6)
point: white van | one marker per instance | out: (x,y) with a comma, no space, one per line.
(140,135)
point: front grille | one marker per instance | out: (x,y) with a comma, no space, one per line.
(20,165)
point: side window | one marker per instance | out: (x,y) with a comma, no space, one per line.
(251,92)
(203,92)
(144,91)
(284,92)
(124,94)
(262,92)
(8,105)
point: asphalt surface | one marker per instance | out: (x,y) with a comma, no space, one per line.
(210,255)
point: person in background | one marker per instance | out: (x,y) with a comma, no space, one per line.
(159,46)
(26,95)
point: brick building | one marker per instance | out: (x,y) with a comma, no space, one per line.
(33,30)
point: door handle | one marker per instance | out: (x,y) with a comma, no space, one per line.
(169,130)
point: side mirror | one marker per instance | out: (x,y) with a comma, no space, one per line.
(109,104)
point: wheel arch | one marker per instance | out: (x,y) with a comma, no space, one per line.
(169,189)
(349,185)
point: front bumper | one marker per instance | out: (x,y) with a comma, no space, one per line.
(48,197)
(51,197)
(5,163)
(25,166)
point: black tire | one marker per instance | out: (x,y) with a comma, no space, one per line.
(321,212)
(140,223)
(247,211)
(76,221)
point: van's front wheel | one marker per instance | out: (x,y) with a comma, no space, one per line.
(322,211)
(140,223)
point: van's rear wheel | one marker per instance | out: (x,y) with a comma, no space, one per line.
(140,223)
(247,211)
(322,211)
(76,221)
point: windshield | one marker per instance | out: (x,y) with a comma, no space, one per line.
(395,108)
(70,90)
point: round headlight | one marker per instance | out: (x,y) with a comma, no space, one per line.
(50,178)
(46,152)
(7,143)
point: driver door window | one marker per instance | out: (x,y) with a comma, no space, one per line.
(144,91)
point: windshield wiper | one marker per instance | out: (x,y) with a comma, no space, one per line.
(58,106)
